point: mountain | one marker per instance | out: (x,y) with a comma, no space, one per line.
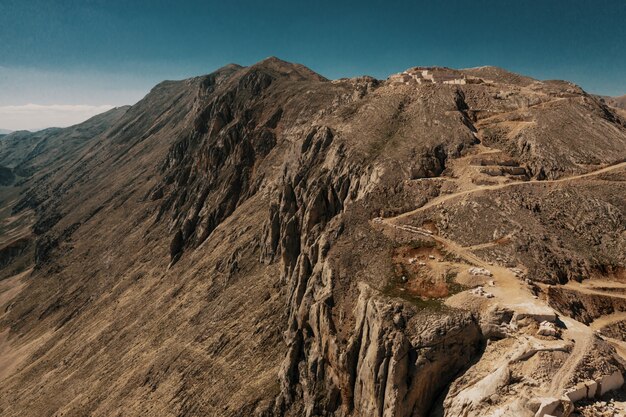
(27,151)
(5,131)
(619,102)
(264,241)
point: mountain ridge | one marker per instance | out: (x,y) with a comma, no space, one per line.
(267,221)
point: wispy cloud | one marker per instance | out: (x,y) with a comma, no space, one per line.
(37,116)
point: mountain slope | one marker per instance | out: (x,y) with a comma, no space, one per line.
(27,152)
(28,158)
(247,243)
(619,102)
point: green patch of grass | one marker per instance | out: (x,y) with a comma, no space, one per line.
(395,285)
(393,290)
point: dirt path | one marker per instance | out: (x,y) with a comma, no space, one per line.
(604,321)
(582,337)
(481,188)
(508,286)
(598,324)
(588,288)
(501,116)
(601,322)
(510,291)
(497,242)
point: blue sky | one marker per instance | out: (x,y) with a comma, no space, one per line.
(95,53)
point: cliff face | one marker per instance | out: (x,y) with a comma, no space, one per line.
(263,241)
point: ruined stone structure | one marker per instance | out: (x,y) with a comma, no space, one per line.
(433,75)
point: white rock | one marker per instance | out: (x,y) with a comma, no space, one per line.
(548,406)
(577,393)
(478,291)
(611,382)
(479,271)
(518,272)
(547,329)
(592,389)
(536,312)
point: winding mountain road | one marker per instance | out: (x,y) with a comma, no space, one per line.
(481,188)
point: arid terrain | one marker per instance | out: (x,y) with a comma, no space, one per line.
(262,241)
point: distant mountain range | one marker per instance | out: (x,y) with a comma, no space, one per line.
(5,131)
(619,102)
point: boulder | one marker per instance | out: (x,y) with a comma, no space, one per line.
(548,406)
(535,312)
(479,271)
(547,328)
(611,382)
(494,324)
(592,389)
(577,393)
